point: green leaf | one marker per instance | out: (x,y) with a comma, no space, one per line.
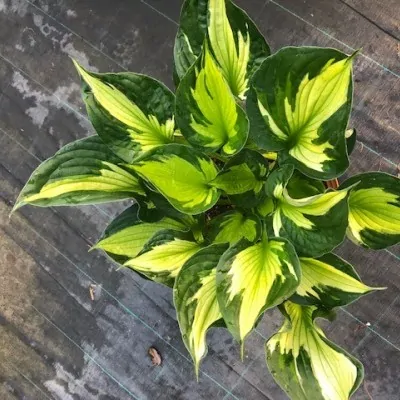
(161,208)
(306,364)
(82,172)
(374,210)
(132,113)
(190,37)
(182,175)
(252,278)
(126,235)
(278,180)
(328,282)
(243,178)
(233,226)
(234,39)
(266,207)
(164,255)
(300,186)
(195,299)
(206,110)
(300,104)
(236,43)
(315,225)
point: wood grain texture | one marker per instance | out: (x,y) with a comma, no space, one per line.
(351,25)
(75,271)
(55,342)
(384,15)
(381,362)
(33,345)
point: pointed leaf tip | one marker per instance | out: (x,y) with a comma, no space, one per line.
(206,110)
(253,277)
(306,364)
(16,207)
(299,104)
(77,66)
(195,300)
(315,225)
(132,113)
(329,282)
(242,350)
(374,210)
(96,177)
(235,40)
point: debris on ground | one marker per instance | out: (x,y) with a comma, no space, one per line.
(155,356)
(361,326)
(92,291)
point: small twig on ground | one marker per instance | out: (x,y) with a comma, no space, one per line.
(92,290)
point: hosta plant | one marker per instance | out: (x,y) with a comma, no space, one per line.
(229,175)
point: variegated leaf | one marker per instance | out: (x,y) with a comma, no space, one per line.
(195,299)
(206,110)
(299,105)
(191,35)
(234,39)
(182,175)
(315,225)
(126,235)
(233,226)
(132,113)
(160,207)
(306,364)
(164,255)
(328,282)
(300,186)
(374,210)
(243,178)
(82,172)
(252,278)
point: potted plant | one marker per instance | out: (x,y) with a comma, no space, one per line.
(229,175)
